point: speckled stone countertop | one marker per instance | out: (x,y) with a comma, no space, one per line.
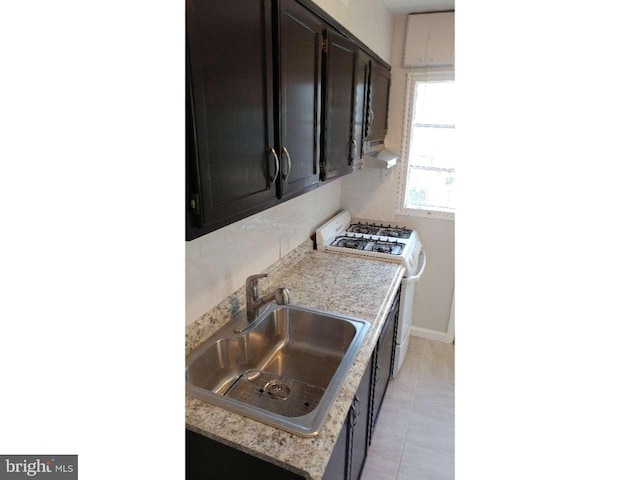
(344,284)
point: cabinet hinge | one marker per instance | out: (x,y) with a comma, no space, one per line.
(194,203)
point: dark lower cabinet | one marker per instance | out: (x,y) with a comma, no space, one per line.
(350,452)
(207,459)
(359,426)
(383,363)
(337,466)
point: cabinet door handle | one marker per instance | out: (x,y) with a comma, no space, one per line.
(354,150)
(286,152)
(355,414)
(275,175)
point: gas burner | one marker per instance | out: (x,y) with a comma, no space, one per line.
(381,248)
(350,242)
(396,232)
(391,248)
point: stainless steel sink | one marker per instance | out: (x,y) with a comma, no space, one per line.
(284,369)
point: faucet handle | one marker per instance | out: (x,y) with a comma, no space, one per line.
(282,296)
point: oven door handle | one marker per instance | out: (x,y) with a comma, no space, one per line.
(418,275)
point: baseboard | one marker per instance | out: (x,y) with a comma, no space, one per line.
(430,334)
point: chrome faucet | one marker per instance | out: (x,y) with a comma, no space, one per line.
(282,296)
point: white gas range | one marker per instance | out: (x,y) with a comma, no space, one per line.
(398,244)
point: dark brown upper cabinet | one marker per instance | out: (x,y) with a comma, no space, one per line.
(231,146)
(264,108)
(299,78)
(379,83)
(339,108)
(362,95)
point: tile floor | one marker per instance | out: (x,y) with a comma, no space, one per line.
(414,437)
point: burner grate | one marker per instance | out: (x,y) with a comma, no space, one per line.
(369,245)
(380,230)
(350,242)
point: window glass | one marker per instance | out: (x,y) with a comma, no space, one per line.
(430,172)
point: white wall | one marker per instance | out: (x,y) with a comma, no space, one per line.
(369,20)
(372,194)
(218,263)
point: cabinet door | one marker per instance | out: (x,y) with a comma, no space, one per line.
(337,466)
(379,83)
(230,87)
(360,115)
(207,459)
(300,60)
(360,425)
(341,60)
(440,49)
(383,364)
(429,39)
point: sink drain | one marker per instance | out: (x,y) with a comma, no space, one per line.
(277,390)
(271,392)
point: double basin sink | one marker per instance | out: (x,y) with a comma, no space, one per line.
(284,369)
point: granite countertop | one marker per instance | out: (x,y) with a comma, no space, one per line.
(344,284)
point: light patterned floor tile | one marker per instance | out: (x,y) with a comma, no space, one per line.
(379,468)
(388,443)
(423,464)
(414,436)
(432,431)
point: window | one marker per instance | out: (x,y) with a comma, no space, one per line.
(428,174)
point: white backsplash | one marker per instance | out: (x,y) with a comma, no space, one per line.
(218,263)
(371,193)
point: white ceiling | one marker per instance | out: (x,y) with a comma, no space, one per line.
(418,6)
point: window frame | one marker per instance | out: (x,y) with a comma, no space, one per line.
(430,74)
